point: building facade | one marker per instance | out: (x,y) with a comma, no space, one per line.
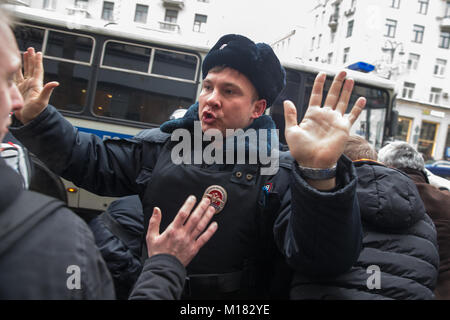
(407,41)
(186,18)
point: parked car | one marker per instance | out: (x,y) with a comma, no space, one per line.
(440,168)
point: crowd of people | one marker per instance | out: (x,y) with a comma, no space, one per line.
(337,220)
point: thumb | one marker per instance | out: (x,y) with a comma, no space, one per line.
(47,91)
(153,225)
(290,114)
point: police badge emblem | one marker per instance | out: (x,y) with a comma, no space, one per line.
(218,197)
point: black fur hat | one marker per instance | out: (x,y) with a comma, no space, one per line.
(256,61)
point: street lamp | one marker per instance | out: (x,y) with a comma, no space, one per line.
(391,47)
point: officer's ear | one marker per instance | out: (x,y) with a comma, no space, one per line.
(259,107)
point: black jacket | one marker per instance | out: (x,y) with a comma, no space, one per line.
(303,215)
(118,233)
(399,241)
(38,264)
(43,262)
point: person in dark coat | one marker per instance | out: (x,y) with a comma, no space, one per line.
(48,252)
(405,157)
(399,259)
(289,208)
(118,233)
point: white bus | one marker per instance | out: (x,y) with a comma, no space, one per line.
(115,83)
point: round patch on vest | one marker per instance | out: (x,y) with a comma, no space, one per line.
(218,197)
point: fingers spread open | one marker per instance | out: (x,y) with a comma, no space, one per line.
(153,225)
(38,72)
(30,57)
(204,238)
(197,215)
(201,225)
(290,114)
(356,110)
(335,90)
(18,76)
(184,212)
(317,90)
(345,96)
(47,91)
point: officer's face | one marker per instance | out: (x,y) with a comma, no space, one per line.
(228,101)
(10,97)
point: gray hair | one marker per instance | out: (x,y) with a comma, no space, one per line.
(401,154)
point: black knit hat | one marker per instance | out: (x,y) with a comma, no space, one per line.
(256,61)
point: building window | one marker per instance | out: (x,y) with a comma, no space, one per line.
(346,53)
(408,90)
(202,0)
(447,9)
(330,58)
(395,4)
(427,139)
(418,32)
(200,23)
(391,27)
(423,6)
(439,67)
(444,40)
(350,28)
(108,11)
(319,40)
(413,61)
(435,95)
(49,5)
(404,129)
(312,42)
(81,4)
(141,13)
(171,16)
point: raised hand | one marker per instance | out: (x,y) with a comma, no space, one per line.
(184,237)
(35,95)
(319,140)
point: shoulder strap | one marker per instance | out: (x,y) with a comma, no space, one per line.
(117,229)
(23,214)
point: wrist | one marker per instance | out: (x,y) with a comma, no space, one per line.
(318,173)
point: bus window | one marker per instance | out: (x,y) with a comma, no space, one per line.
(125,56)
(73,84)
(174,64)
(69,46)
(28,36)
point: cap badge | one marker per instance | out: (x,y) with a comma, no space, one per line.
(223,46)
(218,197)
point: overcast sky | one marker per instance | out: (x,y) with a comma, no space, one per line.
(260,20)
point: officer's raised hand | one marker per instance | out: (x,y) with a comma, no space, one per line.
(35,94)
(184,237)
(319,140)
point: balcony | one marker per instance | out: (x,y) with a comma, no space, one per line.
(445,23)
(168,26)
(350,11)
(78,11)
(174,4)
(333,22)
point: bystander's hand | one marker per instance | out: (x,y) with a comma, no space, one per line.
(36,96)
(184,237)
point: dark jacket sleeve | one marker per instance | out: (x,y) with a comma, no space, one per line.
(320,233)
(162,278)
(107,167)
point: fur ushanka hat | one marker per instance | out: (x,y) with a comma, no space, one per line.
(256,61)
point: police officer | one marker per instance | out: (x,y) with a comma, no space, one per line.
(304,213)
